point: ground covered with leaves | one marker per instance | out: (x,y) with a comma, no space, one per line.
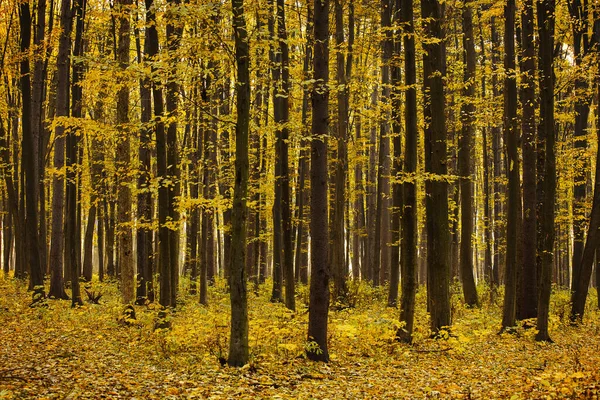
(54,351)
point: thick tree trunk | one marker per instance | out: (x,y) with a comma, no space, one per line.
(58,190)
(339,266)
(438,234)
(319,229)
(35,269)
(527,301)
(238,343)
(546,18)
(123,160)
(409,199)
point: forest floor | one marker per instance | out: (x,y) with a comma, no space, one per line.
(57,352)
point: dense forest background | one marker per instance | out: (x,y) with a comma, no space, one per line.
(176,145)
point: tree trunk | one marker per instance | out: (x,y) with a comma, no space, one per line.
(514,195)
(409,199)
(319,279)
(36,271)
(123,160)
(438,234)
(465,160)
(546,56)
(580,290)
(397,162)
(579,18)
(144,256)
(238,343)
(527,301)
(339,266)
(58,191)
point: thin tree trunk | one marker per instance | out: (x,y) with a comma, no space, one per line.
(397,162)
(514,195)
(465,160)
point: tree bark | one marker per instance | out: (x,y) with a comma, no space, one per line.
(123,160)
(36,271)
(438,234)
(58,182)
(238,343)
(546,18)
(527,301)
(465,160)
(339,266)
(319,229)
(409,199)
(514,195)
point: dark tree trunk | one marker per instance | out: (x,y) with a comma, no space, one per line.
(438,234)
(579,18)
(465,160)
(546,56)
(397,161)
(319,279)
(58,193)
(497,165)
(527,301)
(37,121)
(174,31)
(164,233)
(487,262)
(302,195)
(238,343)
(144,256)
(123,160)
(339,266)
(278,235)
(409,211)
(514,192)
(36,270)
(580,290)
(371,196)
(72,238)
